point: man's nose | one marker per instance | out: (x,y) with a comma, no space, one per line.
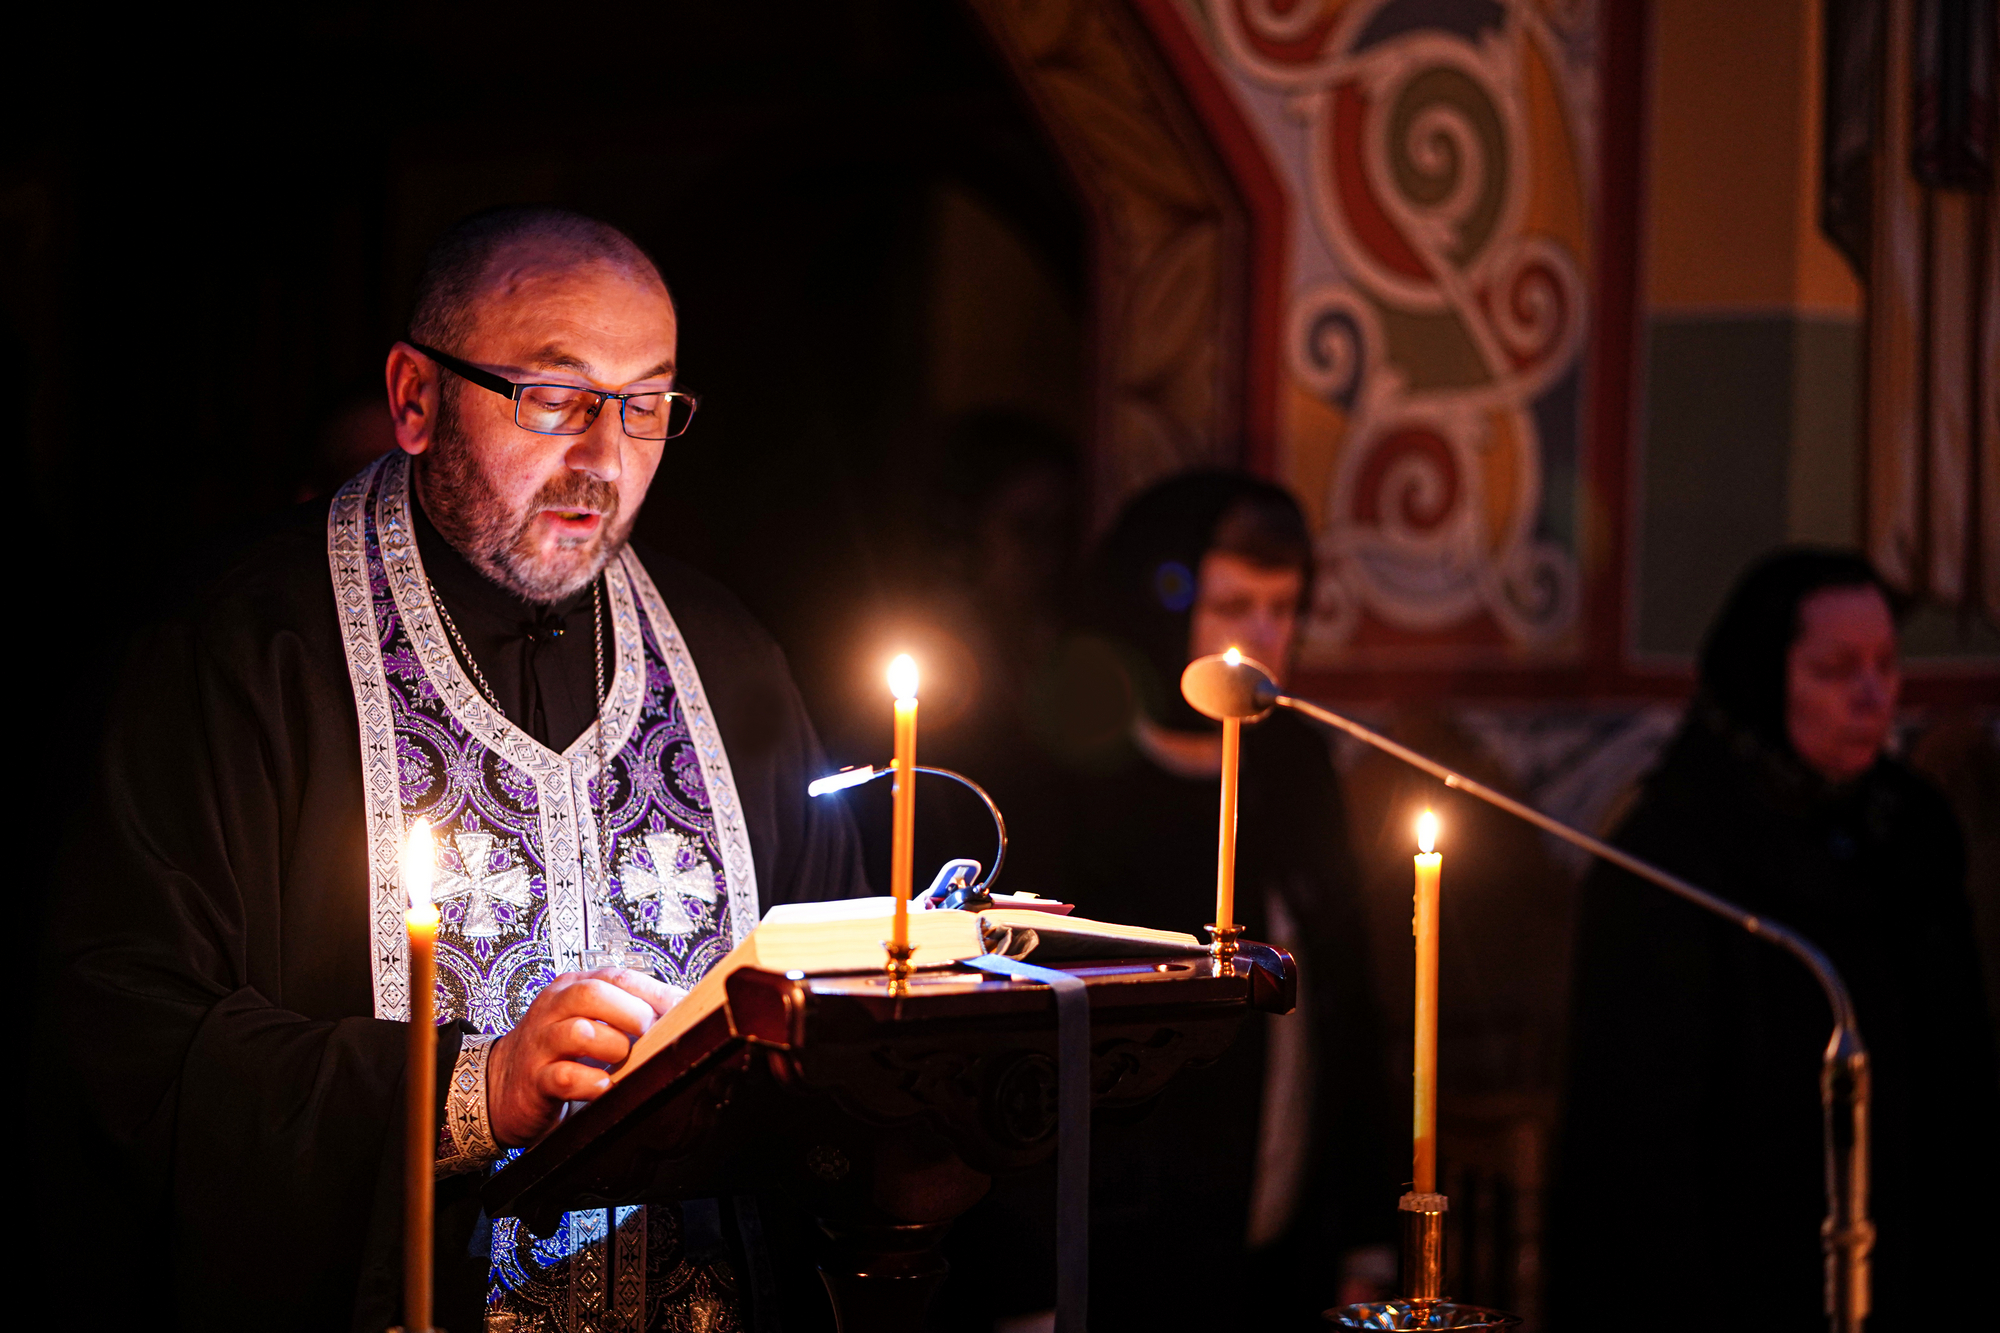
(600,451)
(1265,634)
(1872,693)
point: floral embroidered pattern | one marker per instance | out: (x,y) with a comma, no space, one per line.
(518,828)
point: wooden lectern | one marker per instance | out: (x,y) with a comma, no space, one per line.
(884,1116)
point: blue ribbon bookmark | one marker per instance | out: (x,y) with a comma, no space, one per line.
(1072,1130)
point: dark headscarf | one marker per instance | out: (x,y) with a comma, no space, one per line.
(1141,587)
(1694,1048)
(1743,660)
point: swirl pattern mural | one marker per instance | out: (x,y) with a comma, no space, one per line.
(1437,152)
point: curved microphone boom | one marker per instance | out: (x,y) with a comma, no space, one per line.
(1229,685)
(855,777)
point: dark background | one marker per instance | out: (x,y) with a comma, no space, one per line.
(210,231)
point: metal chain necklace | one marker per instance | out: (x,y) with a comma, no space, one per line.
(600,789)
(464,653)
(603,781)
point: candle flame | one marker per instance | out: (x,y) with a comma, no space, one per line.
(1233,657)
(903,676)
(1427,832)
(419,862)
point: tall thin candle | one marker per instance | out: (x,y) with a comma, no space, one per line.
(420,1147)
(1225,850)
(1429,865)
(903,834)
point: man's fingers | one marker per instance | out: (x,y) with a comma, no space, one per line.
(585,1017)
(656,993)
(581,1039)
(598,998)
(567,1081)
(659,996)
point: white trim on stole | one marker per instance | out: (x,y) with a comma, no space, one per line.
(562,782)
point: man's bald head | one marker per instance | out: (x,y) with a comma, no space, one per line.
(482,252)
(537,297)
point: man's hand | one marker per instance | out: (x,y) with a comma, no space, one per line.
(579,1016)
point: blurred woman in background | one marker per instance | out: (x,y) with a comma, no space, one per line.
(1690,1186)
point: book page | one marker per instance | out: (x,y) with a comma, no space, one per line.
(800,937)
(1109,937)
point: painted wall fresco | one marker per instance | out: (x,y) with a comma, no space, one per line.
(1437,156)
(1168,240)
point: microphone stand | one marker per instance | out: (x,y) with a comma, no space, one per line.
(1244,689)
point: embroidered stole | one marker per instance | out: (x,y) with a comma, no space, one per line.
(518,828)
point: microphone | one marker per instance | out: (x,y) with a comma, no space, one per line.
(1231,686)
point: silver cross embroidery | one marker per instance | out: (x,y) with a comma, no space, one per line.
(480,885)
(679,870)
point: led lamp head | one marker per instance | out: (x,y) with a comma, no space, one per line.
(845,778)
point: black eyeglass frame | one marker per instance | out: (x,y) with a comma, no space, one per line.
(512,392)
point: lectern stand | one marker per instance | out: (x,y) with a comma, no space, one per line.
(885,1117)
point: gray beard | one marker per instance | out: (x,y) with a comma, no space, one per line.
(466,508)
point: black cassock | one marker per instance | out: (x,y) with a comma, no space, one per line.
(227,1139)
(1690,1182)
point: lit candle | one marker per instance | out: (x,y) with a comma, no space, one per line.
(902,841)
(1429,863)
(1225,851)
(421,921)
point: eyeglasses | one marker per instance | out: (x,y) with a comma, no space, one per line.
(564,409)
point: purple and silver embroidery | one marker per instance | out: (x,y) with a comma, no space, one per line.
(517,826)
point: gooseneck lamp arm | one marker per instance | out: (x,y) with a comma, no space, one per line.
(855,777)
(1244,689)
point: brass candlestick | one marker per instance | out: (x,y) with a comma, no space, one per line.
(1422,1217)
(898,966)
(1222,944)
(1423,1304)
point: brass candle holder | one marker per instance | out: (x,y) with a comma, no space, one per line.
(1422,1218)
(1423,1304)
(1222,942)
(898,966)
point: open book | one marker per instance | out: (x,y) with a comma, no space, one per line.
(846,936)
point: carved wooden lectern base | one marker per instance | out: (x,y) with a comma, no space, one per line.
(885,1116)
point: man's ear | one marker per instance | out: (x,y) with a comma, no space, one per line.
(413,382)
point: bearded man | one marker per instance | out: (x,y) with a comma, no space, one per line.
(614,758)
